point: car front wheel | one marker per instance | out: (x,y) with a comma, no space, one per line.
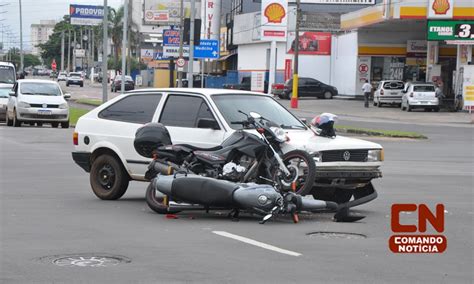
(16,122)
(327,95)
(9,122)
(108,178)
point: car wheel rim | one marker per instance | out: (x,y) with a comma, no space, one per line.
(106,176)
(327,95)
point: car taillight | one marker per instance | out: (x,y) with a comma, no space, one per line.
(381,92)
(411,95)
(75,138)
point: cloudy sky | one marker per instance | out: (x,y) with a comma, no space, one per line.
(35,10)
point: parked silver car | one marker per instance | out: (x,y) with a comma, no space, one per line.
(389,92)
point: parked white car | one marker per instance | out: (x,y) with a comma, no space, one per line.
(62,76)
(389,92)
(4,95)
(103,138)
(420,95)
(75,78)
(37,101)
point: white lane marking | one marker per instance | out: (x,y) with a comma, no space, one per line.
(256,243)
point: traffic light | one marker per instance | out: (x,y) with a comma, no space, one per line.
(187,31)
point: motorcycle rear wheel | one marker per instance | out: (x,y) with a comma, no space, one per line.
(304,182)
(156,203)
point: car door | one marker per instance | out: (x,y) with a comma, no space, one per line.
(314,88)
(302,87)
(181,114)
(120,121)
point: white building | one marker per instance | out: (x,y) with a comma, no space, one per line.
(40,34)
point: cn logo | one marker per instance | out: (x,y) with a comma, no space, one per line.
(417,243)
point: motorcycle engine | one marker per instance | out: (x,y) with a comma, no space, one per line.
(233,172)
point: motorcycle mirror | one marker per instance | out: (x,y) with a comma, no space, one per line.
(255,115)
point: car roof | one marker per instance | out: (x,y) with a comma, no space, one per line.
(36,81)
(6,63)
(421,83)
(205,92)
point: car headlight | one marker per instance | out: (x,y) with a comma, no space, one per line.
(317,157)
(375,156)
(279,133)
(23,105)
(63,106)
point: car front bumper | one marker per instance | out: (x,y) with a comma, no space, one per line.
(33,114)
(83,160)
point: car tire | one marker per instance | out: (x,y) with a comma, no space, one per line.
(16,122)
(338,195)
(67,84)
(436,109)
(327,95)
(379,104)
(156,203)
(9,122)
(375,102)
(108,178)
(65,124)
(54,124)
(409,108)
(31,123)
(82,85)
(40,124)
(290,94)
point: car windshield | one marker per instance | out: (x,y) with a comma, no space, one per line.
(395,85)
(40,89)
(4,92)
(424,88)
(7,74)
(229,106)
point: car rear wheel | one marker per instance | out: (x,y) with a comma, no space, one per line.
(108,178)
(9,122)
(409,108)
(290,94)
(54,124)
(436,109)
(65,124)
(327,95)
(375,102)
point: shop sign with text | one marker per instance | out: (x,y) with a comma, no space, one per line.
(451,30)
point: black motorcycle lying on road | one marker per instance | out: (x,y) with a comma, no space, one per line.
(243,157)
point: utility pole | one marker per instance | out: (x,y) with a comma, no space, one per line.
(294,97)
(191,46)
(74,53)
(62,51)
(69,50)
(124,43)
(181,30)
(129,37)
(105,77)
(21,39)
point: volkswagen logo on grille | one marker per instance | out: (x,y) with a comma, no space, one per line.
(346,156)
(45,105)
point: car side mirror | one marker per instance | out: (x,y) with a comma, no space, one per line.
(12,94)
(208,123)
(67,96)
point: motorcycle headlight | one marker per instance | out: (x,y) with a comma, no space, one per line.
(23,105)
(375,156)
(280,134)
(63,106)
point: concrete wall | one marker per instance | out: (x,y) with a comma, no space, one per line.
(344,63)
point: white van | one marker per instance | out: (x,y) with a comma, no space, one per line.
(7,73)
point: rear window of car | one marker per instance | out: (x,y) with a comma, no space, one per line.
(423,88)
(133,109)
(394,85)
(75,74)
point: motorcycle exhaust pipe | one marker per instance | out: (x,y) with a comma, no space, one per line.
(162,168)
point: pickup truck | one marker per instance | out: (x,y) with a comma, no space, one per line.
(103,138)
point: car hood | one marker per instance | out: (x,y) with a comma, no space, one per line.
(307,140)
(36,99)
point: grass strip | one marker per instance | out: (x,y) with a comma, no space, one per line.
(75,114)
(379,132)
(92,102)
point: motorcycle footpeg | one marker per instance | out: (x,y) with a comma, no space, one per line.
(344,215)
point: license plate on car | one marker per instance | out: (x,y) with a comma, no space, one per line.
(394,93)
(44,112)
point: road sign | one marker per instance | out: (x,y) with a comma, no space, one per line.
(207,49)
(180,62)
(173,51)
(363,68)
(53,65)
(86,15)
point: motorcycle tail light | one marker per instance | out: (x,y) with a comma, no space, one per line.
(75,138)
(260,130)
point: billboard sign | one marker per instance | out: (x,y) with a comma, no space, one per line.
(439,9)
(451,30)
(171,37)
(86,15)
(274,19)
(170,51)
(310,43)
(336,2)
(166,11)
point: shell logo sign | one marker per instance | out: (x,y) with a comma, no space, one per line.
(275,13)
(440,7)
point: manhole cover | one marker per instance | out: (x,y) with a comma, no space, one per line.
(337,235)
(87,260)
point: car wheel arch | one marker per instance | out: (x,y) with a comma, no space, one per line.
(103,150)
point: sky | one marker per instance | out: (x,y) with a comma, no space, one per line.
(35,10)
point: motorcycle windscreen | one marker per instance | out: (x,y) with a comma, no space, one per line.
(205,191)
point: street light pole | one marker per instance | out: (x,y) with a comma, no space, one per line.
(21,39)
(124,43)
(181,31)
(105,77)
(294,97)
(191,46)
(62,51)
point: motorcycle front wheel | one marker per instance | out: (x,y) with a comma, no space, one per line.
(157,203)
(306,166)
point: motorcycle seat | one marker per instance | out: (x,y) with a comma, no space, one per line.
(205,191)
(196,148)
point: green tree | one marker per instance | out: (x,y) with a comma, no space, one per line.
(52,48)
(31,60)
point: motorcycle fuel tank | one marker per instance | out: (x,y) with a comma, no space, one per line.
(261,197)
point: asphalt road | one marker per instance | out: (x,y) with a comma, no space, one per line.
(48,210)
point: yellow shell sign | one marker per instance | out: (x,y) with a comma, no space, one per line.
(440,7)
(275,13)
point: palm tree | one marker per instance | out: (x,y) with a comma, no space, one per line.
(116,30)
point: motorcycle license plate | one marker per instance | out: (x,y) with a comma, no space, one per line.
(44,112)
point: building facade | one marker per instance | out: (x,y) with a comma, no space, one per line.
(40,34)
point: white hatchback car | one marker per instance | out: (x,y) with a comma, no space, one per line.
(420,95)
(389,92)
(104,137)
(37,101)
